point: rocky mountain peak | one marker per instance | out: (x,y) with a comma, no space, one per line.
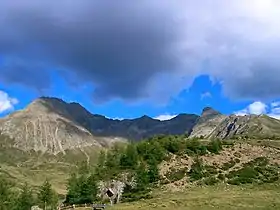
(209,111)
(46,104)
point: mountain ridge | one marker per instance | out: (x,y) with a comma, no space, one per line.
(52,125)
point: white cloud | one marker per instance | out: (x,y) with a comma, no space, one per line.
(6,102)
(275,110)
(205,95)
(258,107)
(164,117)
(275,104)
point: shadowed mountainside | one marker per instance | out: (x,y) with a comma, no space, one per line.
(52,125)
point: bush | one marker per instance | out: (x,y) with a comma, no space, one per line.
(221,177)
(215,146)
(174,175)
(257,170)
(226,166)
(210,180)
(197,170)
(194,147)
(210,170)
(236,160)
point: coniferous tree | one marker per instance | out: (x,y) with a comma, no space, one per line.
(72,189)
(153,172)
(100,170)
(129,159)
(47,196)
(6,199)
(87,189)
(25,199)
(142,177)
(81,189)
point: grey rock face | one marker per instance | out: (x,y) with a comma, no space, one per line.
(210,119)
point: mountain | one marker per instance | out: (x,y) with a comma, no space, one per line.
(207,123)
(52,125)
(213,124)
(250,126)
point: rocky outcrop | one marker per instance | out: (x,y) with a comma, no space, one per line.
(234,126)
(210,120)
(213,124)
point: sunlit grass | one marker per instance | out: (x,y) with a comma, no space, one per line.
(220,197)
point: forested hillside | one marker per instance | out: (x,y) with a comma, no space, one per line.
(133,171)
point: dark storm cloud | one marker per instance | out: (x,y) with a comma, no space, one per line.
(149,49)
(117,45)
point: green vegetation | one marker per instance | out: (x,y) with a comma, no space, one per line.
(81,187)
(256,171)
(25,200)
(13,198)
(138,163)
(34,168)
(175,175)
(222,197)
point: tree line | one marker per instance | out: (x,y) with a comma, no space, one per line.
(138,160)
(12,198)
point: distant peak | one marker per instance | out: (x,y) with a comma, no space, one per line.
(145,117)
(209,111)
(49,99)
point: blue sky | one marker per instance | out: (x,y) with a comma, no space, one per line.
(203,92)
(156,58)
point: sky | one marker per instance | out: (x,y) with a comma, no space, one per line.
(124,59)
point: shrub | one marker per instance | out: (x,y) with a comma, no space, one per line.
(175,175)
(226,166)
(257,170)
(197,170)
(221,177)
(210,180)
(210,170)
(194,147)
(236,160)
(215,146)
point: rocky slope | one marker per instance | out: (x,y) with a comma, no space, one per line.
(207,123)
(250,126)
(52,125)
(47,125)
(214,124)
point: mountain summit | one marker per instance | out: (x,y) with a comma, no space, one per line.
(207,122)
(209,111)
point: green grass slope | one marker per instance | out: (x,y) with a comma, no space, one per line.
(222,197)
(35,167)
